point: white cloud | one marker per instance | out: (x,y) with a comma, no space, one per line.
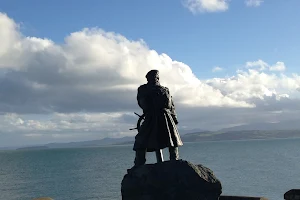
(201,6)
(279,66)
(217,69)
(94,71)
(253,3)
(59,122)
(86,88)
(262,66)
(205,6)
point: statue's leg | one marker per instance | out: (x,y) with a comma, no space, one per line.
(174,154)
(159,156)
(140,157)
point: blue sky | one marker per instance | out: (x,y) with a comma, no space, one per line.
(227,39)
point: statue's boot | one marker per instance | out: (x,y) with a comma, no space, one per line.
(140,157)
(159,156)
(174,154)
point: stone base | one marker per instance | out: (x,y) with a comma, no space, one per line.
(241,198)
(293,194)
(171,180)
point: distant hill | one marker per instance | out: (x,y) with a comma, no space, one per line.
(188,131)
(188,137)
(240,135)
(92,143)
(33,148)
(283,125)
(235,135)
(7,148)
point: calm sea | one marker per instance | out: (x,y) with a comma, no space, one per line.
(252,168)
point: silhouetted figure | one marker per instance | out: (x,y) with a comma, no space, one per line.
(159,129)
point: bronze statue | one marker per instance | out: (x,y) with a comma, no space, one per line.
(158,129)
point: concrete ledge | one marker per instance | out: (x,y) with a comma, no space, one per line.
(293,194)
(241,198)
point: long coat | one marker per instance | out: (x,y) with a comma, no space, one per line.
(159,129)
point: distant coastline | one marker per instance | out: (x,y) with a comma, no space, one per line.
(33,148)
(202,136)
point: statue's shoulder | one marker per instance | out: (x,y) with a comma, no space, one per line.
(146,88)
(142,88)
(166,89)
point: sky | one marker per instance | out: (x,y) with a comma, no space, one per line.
(69,70)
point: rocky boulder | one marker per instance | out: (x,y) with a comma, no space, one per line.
(293,194)
(170,180)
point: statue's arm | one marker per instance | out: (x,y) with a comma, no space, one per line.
(174,115)
(141,99)
(172,108)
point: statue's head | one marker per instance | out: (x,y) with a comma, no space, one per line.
(153,76)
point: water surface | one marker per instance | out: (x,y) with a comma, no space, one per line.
(251,168)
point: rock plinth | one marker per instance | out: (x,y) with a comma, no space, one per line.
(170,180)
(293,194)
(241,198)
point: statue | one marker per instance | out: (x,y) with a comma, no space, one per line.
(158,129)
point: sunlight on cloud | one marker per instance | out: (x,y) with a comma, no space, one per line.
(94,71)
(253,84)
(201,6)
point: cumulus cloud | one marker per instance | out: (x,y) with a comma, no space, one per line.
(279,66)
(86,87)
(94,71)
(217,69)
(252,85)
(209,6)
(260,65)
(60,122)
(201,6)
(253,3)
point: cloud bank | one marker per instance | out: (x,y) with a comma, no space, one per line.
(86,87)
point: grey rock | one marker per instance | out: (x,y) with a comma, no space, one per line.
(170,180)
(293,194)
(241,198)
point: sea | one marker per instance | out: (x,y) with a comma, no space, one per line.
(267,168)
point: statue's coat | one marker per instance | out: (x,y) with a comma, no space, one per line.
(159,129)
